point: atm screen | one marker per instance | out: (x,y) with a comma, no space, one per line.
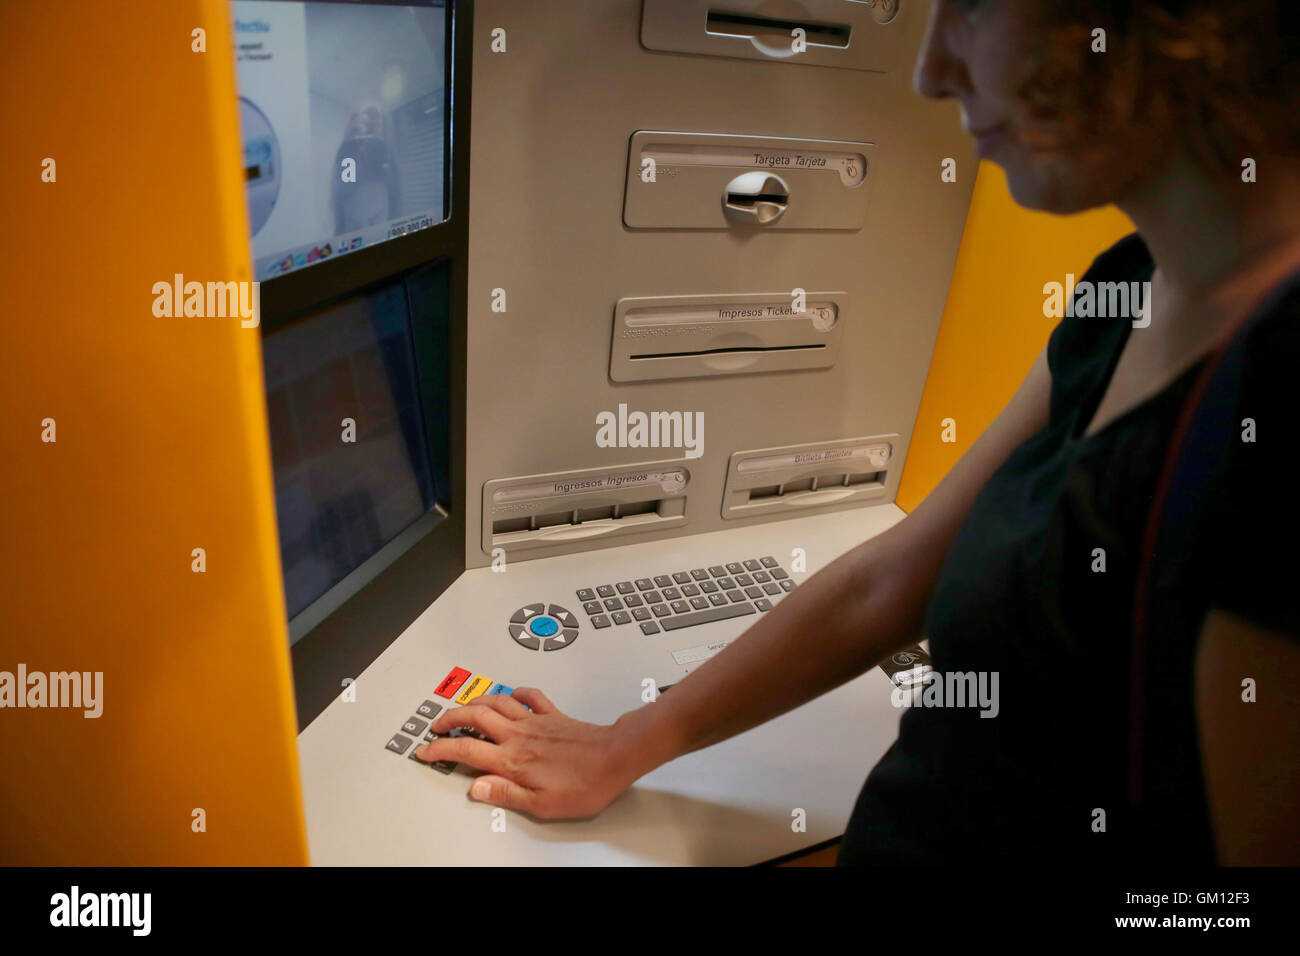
(357,399)
(343,114)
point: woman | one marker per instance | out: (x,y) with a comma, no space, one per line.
(1024,560)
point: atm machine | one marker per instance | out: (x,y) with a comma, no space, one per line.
(590,331)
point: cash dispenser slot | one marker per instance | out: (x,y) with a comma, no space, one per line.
(849,34)
(799,477)
(776,33)
(695,336)
(542,511)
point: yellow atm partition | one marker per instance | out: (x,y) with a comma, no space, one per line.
(139,545)
(139,538)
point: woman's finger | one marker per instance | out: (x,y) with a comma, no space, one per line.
(534,698)
(501,792)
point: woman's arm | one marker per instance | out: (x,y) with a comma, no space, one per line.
(1250,749)
(843,620)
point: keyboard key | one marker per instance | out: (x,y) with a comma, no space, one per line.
(682,577)
(680,607)
(699,603)
(708,587)
(763,604)
(752,564)
(780,573)
(451,683)
(476,687)
(649,627)
(663,580)
(735,596)
(762,577)
(753,592)
(605,590)
(633,600)
(771,588)
(672,594)
(768,562)
(690,590)
(718,599)
(600,620)
(644,584)
(428,710)
(699,574)
(726,584)
(718,571)
(744,580)
(651,597)
(624,587)
(613,604)
(704,617)
(661,610)
(622,617)
(586,594)
(787,585)
(592,607)
(398,744)
(735,567)
(641,613)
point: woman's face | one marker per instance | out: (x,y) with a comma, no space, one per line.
(982,53)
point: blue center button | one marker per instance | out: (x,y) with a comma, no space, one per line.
(543,626)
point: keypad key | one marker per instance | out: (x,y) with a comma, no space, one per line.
(752,565)
(444,766)
(771,588)
(644,584)
(754,592)
(762,577)
(600,620)
(633,600)
(624,587)
(780,573)
(672,594)
(744,580)
(651,597)
(718,599)
(592,607)
(622,617)
(451,683)
(682,577)
(680,607)
(429,735)
(613,604)
(429,709)
(661,610)
(699,603)
(704,617)
(605,590)
(787,585)
(649,627)
(718,571)
(768,562)
(586,594)
(763,604)
(708,587)
(726,584)
(414,727)
(699,574)
(735,596)
(641,613)
(735,567)
(398,744)
(663,580)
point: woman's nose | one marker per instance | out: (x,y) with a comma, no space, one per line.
(939,73)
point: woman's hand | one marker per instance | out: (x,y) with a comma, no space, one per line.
(541,762)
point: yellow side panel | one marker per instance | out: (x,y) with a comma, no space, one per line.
(993,327)
(161,448)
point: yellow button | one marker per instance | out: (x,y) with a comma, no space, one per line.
(476,687)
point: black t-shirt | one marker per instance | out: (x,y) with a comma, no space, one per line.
(1022,594)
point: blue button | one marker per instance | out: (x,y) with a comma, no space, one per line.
(543,626)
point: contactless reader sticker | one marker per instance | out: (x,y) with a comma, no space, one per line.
(908,667)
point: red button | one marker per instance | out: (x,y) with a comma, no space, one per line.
(451,683)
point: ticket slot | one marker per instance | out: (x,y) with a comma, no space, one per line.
(775,34)
(800,477)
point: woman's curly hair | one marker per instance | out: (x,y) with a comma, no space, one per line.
(1222,75)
